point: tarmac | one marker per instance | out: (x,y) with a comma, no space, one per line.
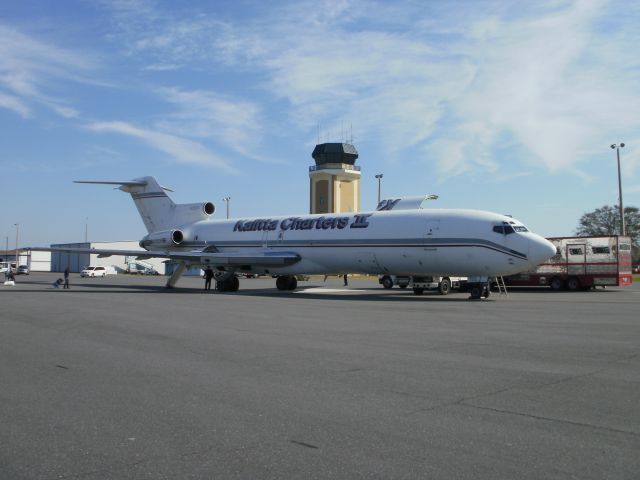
(119,378)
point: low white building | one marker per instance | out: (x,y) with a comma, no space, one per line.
(77,261)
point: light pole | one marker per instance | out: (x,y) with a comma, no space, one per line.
(379,177)
(17,225)
(86,229)
(618,147)
(227,200)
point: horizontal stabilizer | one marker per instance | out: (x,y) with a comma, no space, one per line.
(126,183)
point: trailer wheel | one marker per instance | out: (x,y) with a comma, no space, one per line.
(556,284)
(418,291)
(445,286)
(387,282)
(573,284)
(404,285)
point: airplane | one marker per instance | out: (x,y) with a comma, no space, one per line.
(398,238)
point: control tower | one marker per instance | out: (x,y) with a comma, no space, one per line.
(334,181)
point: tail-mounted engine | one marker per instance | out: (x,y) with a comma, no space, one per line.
(192,212)
(162,240)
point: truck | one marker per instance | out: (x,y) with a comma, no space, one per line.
(581,263)
(444,285)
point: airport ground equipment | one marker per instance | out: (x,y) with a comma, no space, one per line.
(581,263)
(419,284)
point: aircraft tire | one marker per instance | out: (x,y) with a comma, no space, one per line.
(293,283)
(282,283)
(234,284)
(445,286)
(387,282)
(475,292)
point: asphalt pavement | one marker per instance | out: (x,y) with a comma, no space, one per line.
(118,378)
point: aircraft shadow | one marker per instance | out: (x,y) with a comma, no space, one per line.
(358,294)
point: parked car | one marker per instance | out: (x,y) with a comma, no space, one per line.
(23,270)
(94,272)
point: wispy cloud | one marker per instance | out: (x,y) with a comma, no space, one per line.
(13,103)
(29,67)
(454,81)
(232,123)
(180,149)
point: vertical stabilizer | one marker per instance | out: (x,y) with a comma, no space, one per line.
(154,205)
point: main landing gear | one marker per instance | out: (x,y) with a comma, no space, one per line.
(286,282)
(231,284)
(479,287)
(479,290)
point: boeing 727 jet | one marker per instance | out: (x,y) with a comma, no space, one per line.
(397,239)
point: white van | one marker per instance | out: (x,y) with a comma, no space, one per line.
(98,271)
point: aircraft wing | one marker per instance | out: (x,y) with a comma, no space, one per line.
(264,259)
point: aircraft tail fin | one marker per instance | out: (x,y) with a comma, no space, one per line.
(157,210)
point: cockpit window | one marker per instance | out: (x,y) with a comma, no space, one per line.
(503,229)
(520,228)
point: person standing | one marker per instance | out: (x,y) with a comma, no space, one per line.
(208,275)
(66,277)
(344,277)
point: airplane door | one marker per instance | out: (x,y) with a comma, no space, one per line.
(432,228)
(430,254)
(576,259)
(265,238)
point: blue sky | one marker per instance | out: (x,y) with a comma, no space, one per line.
(501,106)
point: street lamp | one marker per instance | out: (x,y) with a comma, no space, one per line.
(17,225)
(227,200)
(379,177)
(618,147)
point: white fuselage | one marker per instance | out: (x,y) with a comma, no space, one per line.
(401,242)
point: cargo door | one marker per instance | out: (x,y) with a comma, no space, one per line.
(576,259)
(368,263)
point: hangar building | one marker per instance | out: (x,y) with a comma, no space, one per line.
(77,261)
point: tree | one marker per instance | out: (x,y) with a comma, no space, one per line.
(606,221)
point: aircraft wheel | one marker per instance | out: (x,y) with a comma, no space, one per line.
(573,284)
(233,284)
(418,291)
(556,284)
(293,283)
(387,282)
(445,286)
(476,292)
(282,283)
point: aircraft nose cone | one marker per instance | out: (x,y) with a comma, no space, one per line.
(541,249)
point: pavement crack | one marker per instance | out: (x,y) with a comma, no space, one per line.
(554,420)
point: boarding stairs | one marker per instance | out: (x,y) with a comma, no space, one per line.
(502,286)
